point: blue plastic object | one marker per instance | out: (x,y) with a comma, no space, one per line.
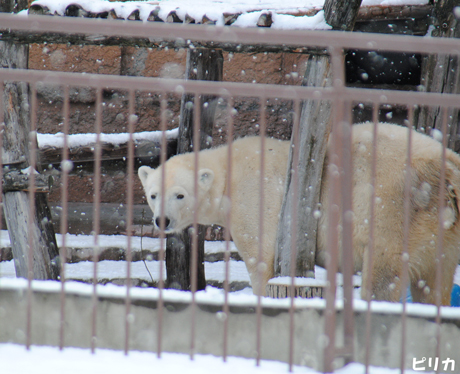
(455,295)
(454,298)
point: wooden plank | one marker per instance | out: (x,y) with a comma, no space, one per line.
(15,151)
(202,64)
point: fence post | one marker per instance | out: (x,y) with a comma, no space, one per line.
(15,113)
(202,64)
(441,73)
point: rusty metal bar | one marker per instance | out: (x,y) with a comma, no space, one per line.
(334,168)
(234,35)
(96,213)
(32,165)
(194,255)
(231,88)
(295,193)
(406,226)
(161,260)
(369,256)
(65,169)
(2,130)
(347,232)
(440,242)
(260,265)
(132,119)
(226,308)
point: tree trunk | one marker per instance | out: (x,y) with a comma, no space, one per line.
(315,127)
(15,155)
(312,143)
(202,64)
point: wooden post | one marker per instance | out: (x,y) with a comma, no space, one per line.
(315,127)
(441,73)
(15,113)
(202,64)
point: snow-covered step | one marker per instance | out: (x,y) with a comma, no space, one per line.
(114,247)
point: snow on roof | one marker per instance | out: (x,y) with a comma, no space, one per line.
(295,14)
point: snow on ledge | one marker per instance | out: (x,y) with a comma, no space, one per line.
(82,140)
(214,296)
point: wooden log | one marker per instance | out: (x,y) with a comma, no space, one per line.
(16,181)
(202,64)
(315,126)
(342,14)
(441,73)
(113,157)
(14,108)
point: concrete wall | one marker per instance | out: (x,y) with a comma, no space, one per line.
(176,327)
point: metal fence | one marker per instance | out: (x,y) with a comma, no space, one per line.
(342,99)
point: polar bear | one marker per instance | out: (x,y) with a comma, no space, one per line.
(243,206)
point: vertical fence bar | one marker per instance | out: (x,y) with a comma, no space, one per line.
(260,265)
(96,213)
(226,308)
(2,130)
(334,169)
(132,119)
(161,259)
(440,246)
(347,234)
(405,254)
(295,193)
(65,169)
(32,166)
(369,257)
(194,257)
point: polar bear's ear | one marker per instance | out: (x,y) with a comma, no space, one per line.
(205,178)
(143,173)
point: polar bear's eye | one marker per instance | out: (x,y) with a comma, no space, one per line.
(153,196)
(180,196)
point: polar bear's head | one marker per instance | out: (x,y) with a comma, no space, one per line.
(179,194)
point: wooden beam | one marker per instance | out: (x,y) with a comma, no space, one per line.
(202,64)
(15,112)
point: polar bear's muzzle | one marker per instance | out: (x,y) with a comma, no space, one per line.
(167,223)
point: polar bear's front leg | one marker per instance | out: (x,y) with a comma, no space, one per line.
(261,271)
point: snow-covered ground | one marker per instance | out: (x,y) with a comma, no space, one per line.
(44,360)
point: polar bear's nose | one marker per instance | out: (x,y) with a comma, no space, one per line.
(158,222)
